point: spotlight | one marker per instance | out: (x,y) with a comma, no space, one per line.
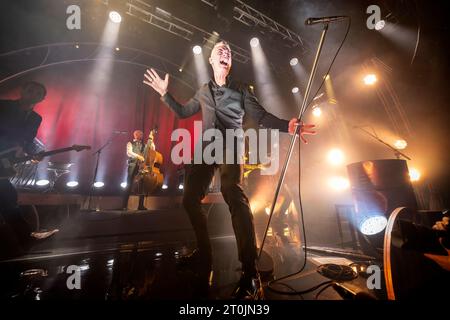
(400,144)
(77,46)
(317,112)
(72,184)
(414,174)
(117,49)
(370,79)
(123,185)
(254,42)
(372,224)
(197,49)
(267,209)
(42,182)
(181,69)
(115,17)
(339,183)
(380,25)
(181,187)
(293,62)
(335,157)
(164,186)
(99,184)
(294,90)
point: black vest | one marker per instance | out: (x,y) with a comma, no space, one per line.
(137,147)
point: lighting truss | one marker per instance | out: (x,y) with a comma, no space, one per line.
(252,18)
(166,21)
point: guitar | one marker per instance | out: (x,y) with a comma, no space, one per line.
(8,158)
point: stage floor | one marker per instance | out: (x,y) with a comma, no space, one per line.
(141,264)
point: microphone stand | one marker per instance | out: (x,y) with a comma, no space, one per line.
(294,137)
(98,153)
(397,153)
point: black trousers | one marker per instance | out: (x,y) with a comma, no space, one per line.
(197,180)
(131,173)
(11,213)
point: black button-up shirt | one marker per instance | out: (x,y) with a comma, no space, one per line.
(224,107)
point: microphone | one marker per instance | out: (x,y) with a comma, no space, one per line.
(120,132)
(311,21)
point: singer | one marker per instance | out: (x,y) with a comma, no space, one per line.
(223,103)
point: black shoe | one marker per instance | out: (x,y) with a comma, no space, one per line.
(248,288)
(142,208)
(196,261)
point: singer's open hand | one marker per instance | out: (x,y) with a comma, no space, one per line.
(305,129)
(154,81)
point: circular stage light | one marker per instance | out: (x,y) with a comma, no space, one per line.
(335,157)
(400,144)
(317,112)
(99,184)
(380,25)
(197,49)
(372,225)
(414,174)
(72,184)
(123,185)
(42,182)
(295,90)
(164,186)
(254,42)
(115,17)
(370,79)
(293,62)
(181,187)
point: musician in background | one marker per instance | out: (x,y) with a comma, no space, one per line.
(135,153)
(19,124)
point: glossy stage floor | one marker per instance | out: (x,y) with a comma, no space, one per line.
(132,255)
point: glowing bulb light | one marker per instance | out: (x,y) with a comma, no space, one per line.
(72,184)
(115,17)
(197,49)
(335,157)
(400,144)
(370,79)
(254,42)
(414,174)
(317,112)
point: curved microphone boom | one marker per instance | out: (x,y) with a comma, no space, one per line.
(311,21)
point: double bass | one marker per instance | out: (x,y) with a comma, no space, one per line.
(149,177)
